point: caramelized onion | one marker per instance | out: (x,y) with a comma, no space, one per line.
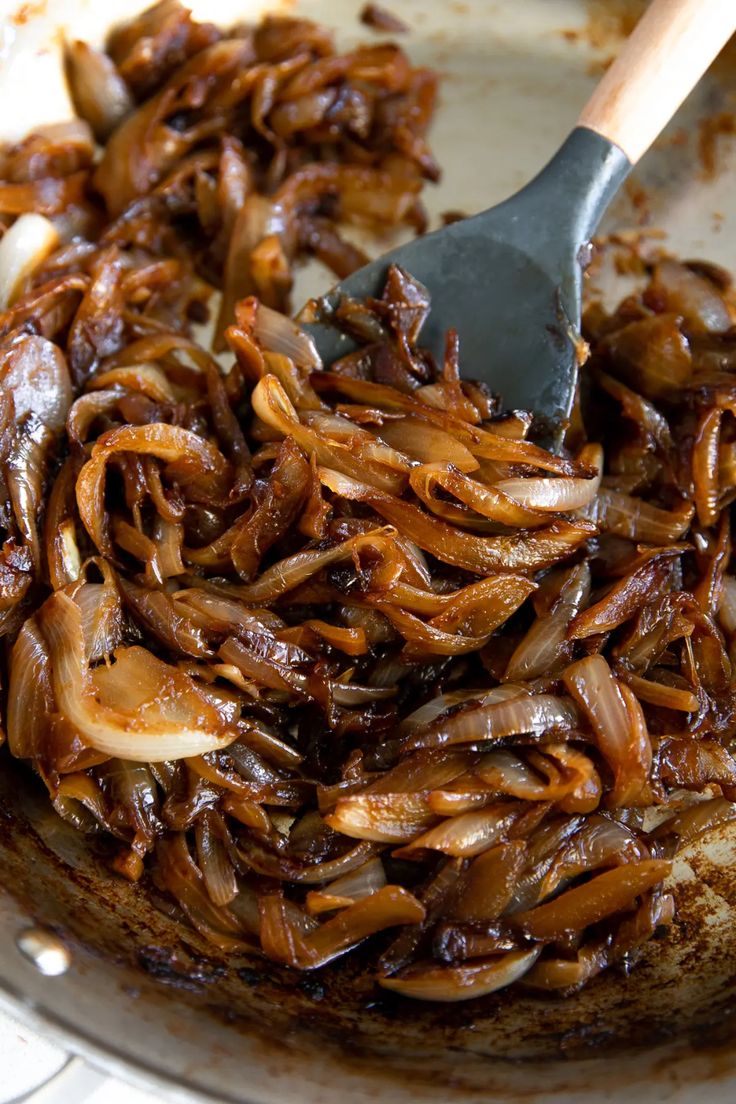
(456,983)
(195,459)
(557,494)
(139,708)
(329,649)
(543,648)
(22,249)
(523,714)
(30,694)
(621,735)
(99,93)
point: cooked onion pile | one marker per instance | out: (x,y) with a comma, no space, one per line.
(331,651)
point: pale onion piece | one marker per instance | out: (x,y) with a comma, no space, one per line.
(295,381)
(544,643)
(68,132)
(351,887)
(635,519)
(318,901)
(169,539)
(214,862)
(467,834)
(463,796)
(692,296)
(80,801)
(506,772)
(210,609)
(99,93)
(140,708)
(335,427)
(478,500)
(459,983)
(34,370)
(102,618)
(157,345)
(415,562)
(30,693)
(727,607)
(361,882)
(626,749)
(280,334)
(602,896)
(426,443)
(557,493)
(381,817)
(23,248)
(521,714)
(433,708)
(274,407)
(448,395)
(485,444)
(68,550)
(84,410)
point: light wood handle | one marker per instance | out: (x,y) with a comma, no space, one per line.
(666,55)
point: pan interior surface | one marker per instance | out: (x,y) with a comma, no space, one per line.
(142,992)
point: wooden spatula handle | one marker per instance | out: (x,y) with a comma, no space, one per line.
(669,50)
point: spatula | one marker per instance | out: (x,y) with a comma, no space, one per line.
(510,279)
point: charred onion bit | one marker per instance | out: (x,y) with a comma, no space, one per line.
(335,652)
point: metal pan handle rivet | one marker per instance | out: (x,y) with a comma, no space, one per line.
(45,951)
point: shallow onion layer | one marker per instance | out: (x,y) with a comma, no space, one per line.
(336,651)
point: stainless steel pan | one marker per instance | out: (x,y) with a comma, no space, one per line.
(135,994)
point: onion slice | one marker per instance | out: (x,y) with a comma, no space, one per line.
(617,722)
(558,494)
(458,983)
(523,714)
(139,709)
(314,946)
(587,904)
(22,249)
